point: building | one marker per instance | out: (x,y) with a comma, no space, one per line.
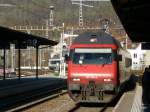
(147,58)
(138,58)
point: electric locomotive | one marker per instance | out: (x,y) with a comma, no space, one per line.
(97,65)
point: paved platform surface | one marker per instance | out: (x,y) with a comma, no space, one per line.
(125,102)
(137,105)
(132,102)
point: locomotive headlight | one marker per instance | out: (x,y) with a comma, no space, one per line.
(75,79)
(108,80)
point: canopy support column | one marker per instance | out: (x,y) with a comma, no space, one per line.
(4,64)
(19,63)
(37,49)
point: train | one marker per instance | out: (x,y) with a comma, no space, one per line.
(97,66)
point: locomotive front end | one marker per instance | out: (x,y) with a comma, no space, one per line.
(92,73)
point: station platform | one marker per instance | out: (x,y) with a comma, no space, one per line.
(138,105)
(15,86)
(132,102)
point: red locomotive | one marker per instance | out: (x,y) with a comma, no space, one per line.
(97,65)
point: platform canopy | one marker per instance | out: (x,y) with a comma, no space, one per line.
(135,17)
(21,39)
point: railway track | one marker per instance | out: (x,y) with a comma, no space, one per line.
(57,93)
(28,99)
(49,101)
(63,103)
(96,107)
(92,109)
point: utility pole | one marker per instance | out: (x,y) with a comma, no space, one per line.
(47,28)
(51,19)
(80,3)
(71,38)
(80,10)
(80,15)
(61,71)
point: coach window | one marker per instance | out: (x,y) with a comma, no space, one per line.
(135,55)
(128,62)
(114,54)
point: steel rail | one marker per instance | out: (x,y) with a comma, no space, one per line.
(30,98)
(37,102)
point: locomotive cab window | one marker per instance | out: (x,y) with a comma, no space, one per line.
(92,56)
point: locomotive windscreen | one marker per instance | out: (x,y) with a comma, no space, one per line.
(92,56)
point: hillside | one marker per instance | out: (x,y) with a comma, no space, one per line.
(35,12)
